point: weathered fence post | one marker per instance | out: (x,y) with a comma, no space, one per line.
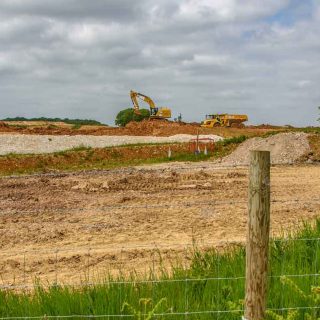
(257,235)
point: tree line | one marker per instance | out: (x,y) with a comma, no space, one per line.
(65,120)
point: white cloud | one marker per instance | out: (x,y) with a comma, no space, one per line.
(229,10)
(80,58)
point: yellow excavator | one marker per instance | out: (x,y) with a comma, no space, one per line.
(155,112)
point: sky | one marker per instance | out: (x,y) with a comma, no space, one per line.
(80,58)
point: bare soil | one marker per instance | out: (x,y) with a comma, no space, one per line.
(144,128)
(67,227)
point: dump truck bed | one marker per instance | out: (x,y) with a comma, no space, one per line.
(241,117)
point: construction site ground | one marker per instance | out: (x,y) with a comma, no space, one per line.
(68,227)
(145,128)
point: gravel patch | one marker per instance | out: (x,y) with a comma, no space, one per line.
(26,144)
(285,148)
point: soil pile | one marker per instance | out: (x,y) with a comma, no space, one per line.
(160,128)
(285,148)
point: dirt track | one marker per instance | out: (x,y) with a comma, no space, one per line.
(48,223)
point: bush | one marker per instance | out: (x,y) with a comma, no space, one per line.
(127,115)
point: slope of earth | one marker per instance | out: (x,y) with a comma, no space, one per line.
(105,158)
(313,155)
(70,226)
(284,148)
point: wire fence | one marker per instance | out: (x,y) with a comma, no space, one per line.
(204,286)
(185,204)
(193,291)
(171,315)
(100,172)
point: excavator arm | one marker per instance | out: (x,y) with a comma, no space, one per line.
(155,112)
(135,96)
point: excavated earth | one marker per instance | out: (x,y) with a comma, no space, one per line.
(160,128)
(68,227)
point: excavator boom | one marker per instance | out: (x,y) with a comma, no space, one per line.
(134,100)
(160,113)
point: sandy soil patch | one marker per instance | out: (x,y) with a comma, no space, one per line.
(69,226)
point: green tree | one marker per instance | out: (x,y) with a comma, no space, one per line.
(127,115)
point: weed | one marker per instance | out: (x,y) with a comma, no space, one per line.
(143,313)
(311,300)
(81,147)
(83,157)
(52,126)
(18,126)
(76,126)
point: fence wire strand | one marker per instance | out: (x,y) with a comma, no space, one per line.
(156,314)
(188,204)
(155,247)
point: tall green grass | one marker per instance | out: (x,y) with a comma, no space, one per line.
(213,282)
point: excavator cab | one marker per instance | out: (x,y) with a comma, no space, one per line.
(154,111)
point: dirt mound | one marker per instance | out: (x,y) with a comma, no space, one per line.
(285,148)
(160,128)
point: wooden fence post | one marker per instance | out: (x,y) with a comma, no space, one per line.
(257,235)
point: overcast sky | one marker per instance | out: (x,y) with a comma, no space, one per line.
(80,58)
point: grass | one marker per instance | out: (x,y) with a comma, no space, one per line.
(18,126)
(76,126)
(201,292)
(309,130)
(314,142)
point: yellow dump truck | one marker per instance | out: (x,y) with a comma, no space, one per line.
(224,120)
